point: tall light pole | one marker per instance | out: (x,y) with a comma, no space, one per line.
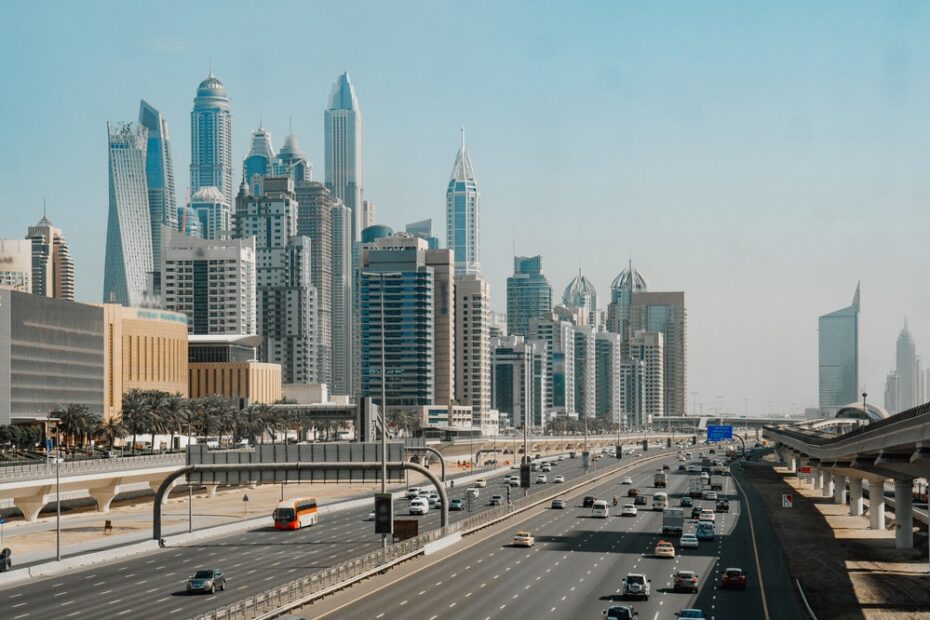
(58,492)
(383,406)
(694,403)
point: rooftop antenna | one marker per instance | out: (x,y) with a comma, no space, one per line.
(463,139)
(211,66)
(290,124)
(43,217)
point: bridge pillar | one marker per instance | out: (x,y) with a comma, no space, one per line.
(818,478)
(211,489)
(876,503)
(855,497)
(839,489)
(104,495)
(31,505)
(792,462)
(903,514)
(157,484)
(827,484)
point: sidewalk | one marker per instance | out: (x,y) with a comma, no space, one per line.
(846,570)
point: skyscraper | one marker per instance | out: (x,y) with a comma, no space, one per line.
(580,295)
(559,339)
(16,264)
(292,162)
(529,295)
(622,289)
(258,163)
(211,139)
(665,313)
(472,346)
(342,135)
(518,379)
(424,230)
(159,178)
(463,214)
(129,259)
(585,375)
(608,373)
(909,382)
(52,267)
(344,340)
(212,211)
(642,375)
(839,357)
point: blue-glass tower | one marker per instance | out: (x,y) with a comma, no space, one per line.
(258,163)
(211,139)
(159,177)
(839,357)
(463,211)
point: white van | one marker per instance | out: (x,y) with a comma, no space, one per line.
(419,506)
(600,509)
(412,493)
(660,501)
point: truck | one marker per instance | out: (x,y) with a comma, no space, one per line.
(673,521)
(659,479)
(696,487)
(705,464)
(716,483)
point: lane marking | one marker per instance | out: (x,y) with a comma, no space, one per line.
(755,549)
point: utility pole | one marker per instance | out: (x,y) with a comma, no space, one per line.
(383,407)
(58,492)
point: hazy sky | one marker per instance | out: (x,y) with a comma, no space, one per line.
(760,157)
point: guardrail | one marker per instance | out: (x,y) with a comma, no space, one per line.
(14,473)
(875,427)
(300,591)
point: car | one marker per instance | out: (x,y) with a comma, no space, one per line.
(628,510)
(640,500)
(508,477)
(481,483)
(711,495)
(693,469)
(561,457)
(686,581)
(588,501)
(558,479)
(541,479)
(632,492)
(412,492)
(419,506)
(558,503)
(433,496)
(665,549)
(473,491)
(686,502)
(620,612)
(523,539)
(496,500)
(424,493)
(665,467)
(722,506)
(696,511)
(682,458)
(688,541)
(636,585)
(691,614)
(733,578)
(626,480)
(682,468)
(707,515)
(457,504)
(547,467)
(207,580)
(371,516)
(515,481)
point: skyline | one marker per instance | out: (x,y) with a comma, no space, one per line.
(811,130)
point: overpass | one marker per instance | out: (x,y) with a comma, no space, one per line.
(895,449)
(691,422)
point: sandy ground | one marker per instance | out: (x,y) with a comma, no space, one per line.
(845,569)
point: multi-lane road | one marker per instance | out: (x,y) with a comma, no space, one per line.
(576,567)
(153,585)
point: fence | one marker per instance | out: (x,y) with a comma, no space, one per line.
(36,471)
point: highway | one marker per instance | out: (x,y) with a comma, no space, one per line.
(153,585)
(577,564)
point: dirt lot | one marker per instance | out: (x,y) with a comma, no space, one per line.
(846,570)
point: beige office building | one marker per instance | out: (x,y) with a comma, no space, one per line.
(16,264)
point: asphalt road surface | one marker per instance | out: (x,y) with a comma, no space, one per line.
(576,567)
(154,585)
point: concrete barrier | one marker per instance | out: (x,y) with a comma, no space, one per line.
(442,543)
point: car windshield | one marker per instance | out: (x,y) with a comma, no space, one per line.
(204,574)
(691,613)
(619,613)
(284,514)
(635,579)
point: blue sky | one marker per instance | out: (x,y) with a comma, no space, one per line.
(762,157)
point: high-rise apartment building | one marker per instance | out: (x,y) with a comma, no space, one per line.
(559,339)
(665,313)
(368,215)
(129,261)
(258,163)
(211,139)
(292,162)
(629,282)
(529,295)
(581,297)
(344,340)
(52,267)
(518,379)
(159,178)
(212,281)
(424,230)
(909,372)
(608,373)
(838,346)
(342,136)
(472,346)
(285,296)
(16,264)
(585,371)
(463,214)
(215,216)
(642,378)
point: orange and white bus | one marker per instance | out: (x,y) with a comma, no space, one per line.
(293,514)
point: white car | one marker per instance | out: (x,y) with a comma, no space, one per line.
(688,541)
(626,480)
(523,539)
(546,468)
(558,478)
(419,506)
(628,510)
(412,492)
(481,483)
(561,457)
(710,495)
(371,516)
(693,469)
(541,479)
(707,515)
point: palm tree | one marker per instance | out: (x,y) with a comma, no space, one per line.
(110,430)
(73,421)
(135,408)
(175,406)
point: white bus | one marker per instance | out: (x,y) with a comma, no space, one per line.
(600,509)
(660,501)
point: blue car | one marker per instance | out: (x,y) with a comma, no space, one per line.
(691,614)
(456,504)
(705,530)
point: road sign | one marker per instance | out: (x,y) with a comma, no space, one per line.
(405,528)
(787,501)
(384,513)
(619,452)
(804,469)
(525,475)
(719,433)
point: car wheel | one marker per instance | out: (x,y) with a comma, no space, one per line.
(223,587)
(212,588)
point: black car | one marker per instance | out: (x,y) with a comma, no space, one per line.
(620,612)
(723,505)
(588,501)
(640,500)
(209,581)
(696,511)
(686,502)
(682,468)
(665,467)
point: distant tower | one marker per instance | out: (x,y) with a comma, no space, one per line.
(906,368)
(342,129)
(529,295)
(129,230)
(463,214)
(258,163)
(839,357)
(159,177)
(580,295)
(52,267)
(292,162)
(211,139)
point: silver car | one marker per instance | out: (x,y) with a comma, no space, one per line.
(208,581)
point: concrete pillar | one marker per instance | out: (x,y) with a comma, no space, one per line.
(818,478)
(793,462)
(104,495)
(827,484)
(31,505)
(211,490)
(855,497)
(903,514)
(164,499)
(780,454)
(877,503)
(839,489)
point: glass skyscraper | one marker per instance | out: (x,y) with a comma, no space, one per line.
(258,163)
(159,177)
(529,295)
(839,357)
(463,214)
(211,139)
(342,135)
(129,230)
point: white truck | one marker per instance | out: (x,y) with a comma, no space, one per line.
(673,521)
(716,483)
(696,487)
(659,480)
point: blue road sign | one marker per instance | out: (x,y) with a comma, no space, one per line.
(719,433)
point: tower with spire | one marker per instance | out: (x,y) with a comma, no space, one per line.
(342,136)
(211,139)
(463,214)
(258,163)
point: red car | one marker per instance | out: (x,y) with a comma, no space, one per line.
(734,578)
(686,580)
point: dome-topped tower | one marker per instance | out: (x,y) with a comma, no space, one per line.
(212,87)
(630,278)
(580,295)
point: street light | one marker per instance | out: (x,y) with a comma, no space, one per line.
(58,492)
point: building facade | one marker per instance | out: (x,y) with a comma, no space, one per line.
(52,267)
(608,372)
(129,262)
(463,214)
(472,346)
(529,295)
(910,382)
(642,378)
(629,282)
(838,347)
(665,313)
(211,139)
(16,264)
(559,339)
(519,380)
(581,297)
(342,136)
(258,163)
(159,178)
(213,212)
(585,371)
